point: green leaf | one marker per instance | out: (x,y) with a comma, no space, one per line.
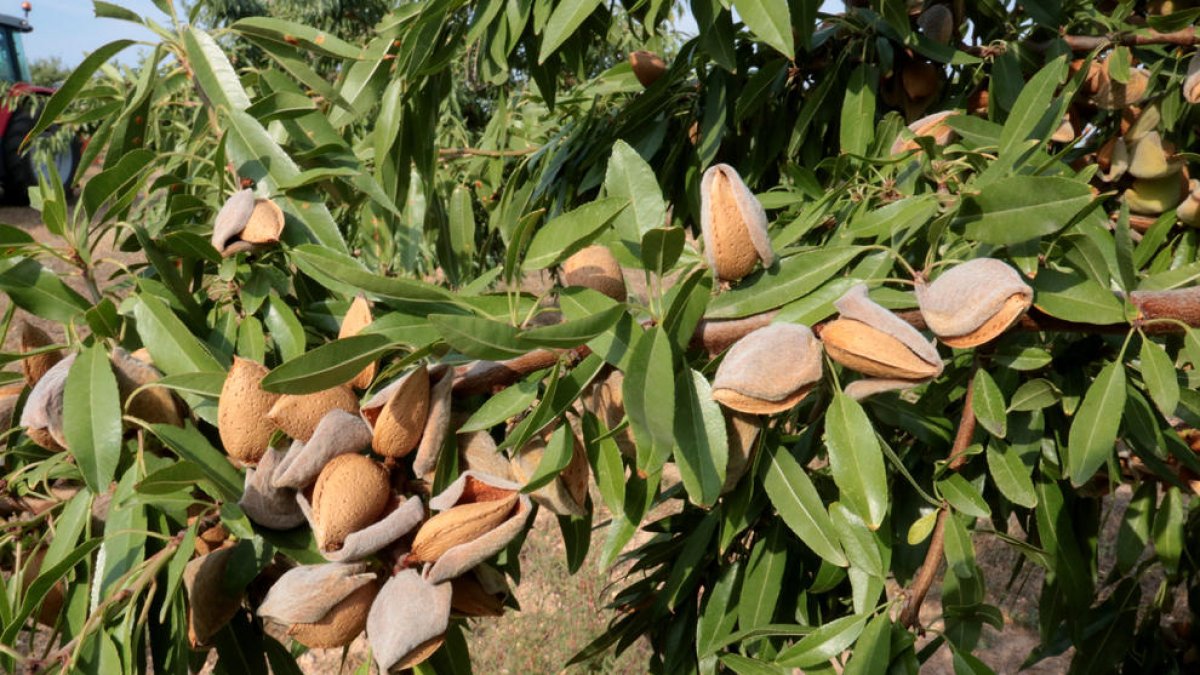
(744,665)
(963,496)
(189,444)
(763,580)
(285,329)
(605,457)
(1076,298)
(857,128)
(1020,208)
(649,396)
(989,404)
(1094,429)
(39,291)
(770,21)
(824,643)
(921,527)
(567,17)
(171,344)
(559,450)
(480,338)
(856,459)
(287,32)
(872,651)
(1034,395)
(574,332)
(71,87)
(201,384)
(857,540)
(1168,530)
(793,278)
(504,405)
(1011,475)
(1159,375)
(565,234)
(345,274)
(661,248)
(327,366)
(615,345)
(717,615)
(701,449)
(1134,533)
(1031,115)
(92,418)
(799,505)
(629,177)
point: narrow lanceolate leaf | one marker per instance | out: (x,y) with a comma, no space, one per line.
(764,578)
(571,231)
(1011,475)
(1019,208)
(795,277)
(649,392)
(630,177)
(872,651)
(1094,429)
(41,292)
(480,338)
(770,21)
(287,32)
(328,366)
(92,418)
(1034,395)
(856,459)
(857,128)
(565,20)
(171,344)
(800,506)
(823,643)
(556,457)
(1159,375)
(1074,297)
(989,404)
(963,496)
(702,449)
(1029,114)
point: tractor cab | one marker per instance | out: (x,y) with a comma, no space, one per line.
(13,66)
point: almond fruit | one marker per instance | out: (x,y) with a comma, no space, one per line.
(769,370)
(1188,211)
(265,223)
(398,413)
(648,67)
(470,599)
(596,268)
(341,625)
(742,431)
(242,411)
(408,620)
(566,495)
(1113,159)
(325,605)
(937,24)
(1156,195)
(29,338)
(921,79)
(155,405)
(42,415)
(1151,160)
(459,525)
(734,224)
(338,433)
(232,218)
(437,424)
(1191,83)
(244,222)
(351,493)
(264,503)
(478,452)
(973,303)
(297,415)
(210,605)
(931,125)
(357,318)
(1109,94)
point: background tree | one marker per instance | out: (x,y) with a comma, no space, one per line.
(742,242)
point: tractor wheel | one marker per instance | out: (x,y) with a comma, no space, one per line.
(21,171)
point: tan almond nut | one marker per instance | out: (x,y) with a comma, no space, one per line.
(156,405)
(265,223)
(973,303)
(1118,160)
(873,341)
(742,430)
(734,224)
(357,318)
(298,415)
(242,411)
(470,599)
(459,525)
(769,370)
(921,79)
(1191,83)
(211,539)
(342,624)
(595,267)
(1141,121)
(931,125)
(210,606)
(398,413)
(566,495)
(937,24)
(1153,196)
(648,67)
(232,218)
(478,452)
(606,401)
(351,493)
(1065,133)
(42,415)
(1112,95)
(29,338)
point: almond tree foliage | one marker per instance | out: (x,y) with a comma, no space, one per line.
(450,170)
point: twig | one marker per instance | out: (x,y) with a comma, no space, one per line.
(1086,43)
(715,335)
(453,153)
(911,614)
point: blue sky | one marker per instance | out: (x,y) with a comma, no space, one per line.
(69,29)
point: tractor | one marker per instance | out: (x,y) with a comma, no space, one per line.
(19,109)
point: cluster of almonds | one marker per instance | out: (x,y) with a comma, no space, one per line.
(914,83)
(356,507)
(1157,177)
(246,222)
(966,306)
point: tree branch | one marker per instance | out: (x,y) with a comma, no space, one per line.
(455,153)
(1086,43)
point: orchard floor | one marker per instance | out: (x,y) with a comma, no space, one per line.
(561,613)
